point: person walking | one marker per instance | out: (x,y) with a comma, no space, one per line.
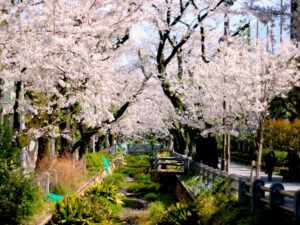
(270,161)
(292,161)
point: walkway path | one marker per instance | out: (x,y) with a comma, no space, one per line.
(243,170)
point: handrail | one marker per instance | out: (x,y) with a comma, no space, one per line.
(254,190)
(287,194)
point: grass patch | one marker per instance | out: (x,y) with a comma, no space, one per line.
(132,203)
(191,179)
(166,199)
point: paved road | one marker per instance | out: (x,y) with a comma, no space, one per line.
(243,170)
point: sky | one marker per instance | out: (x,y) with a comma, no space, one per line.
(140,34)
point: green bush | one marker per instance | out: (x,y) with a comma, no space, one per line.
(155,209)
(279,155)
(179,214)
(79,210)
(8,152)
(94,160)
(281,135)
(59,189)
(19,193)
(115,179)
(280,158)
(104,190)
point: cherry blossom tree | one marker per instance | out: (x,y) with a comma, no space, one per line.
(248,77)
(67,56)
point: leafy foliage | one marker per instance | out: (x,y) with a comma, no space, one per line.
(79,210)
(19,196)
(94,161)
(282,135)
(105,190)
(8,152)
(179,214)
(150,160)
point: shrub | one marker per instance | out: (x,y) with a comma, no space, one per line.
(279,155)
(282,135)
(155,209)
(18,194)
(8,152)
(115,179)
(94,160)
(179,214)
(105,190)
(76,210)
(58,189)
(150,160)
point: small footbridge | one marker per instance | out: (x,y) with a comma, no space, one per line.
(172,164)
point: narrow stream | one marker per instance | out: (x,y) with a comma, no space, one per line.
(133,207)
(140,195)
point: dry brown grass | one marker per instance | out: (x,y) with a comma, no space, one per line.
(64,170)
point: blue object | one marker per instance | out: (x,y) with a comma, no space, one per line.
(54,197)
(106,164)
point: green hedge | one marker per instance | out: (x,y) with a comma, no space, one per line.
(248,157)
(94,160)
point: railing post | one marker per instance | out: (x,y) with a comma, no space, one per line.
(205,175)
(216,175)
(233,184)
(243,189)
(276,199)
(55,177)
(201,170)
(210,175)
(186,164)
(156,163)
(257,194)
(297,206)
(47,183)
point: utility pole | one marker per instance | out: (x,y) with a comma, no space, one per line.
(226,138)
(281,19)
(295,20)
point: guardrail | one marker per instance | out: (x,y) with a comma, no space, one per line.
(255,191)
(171,161)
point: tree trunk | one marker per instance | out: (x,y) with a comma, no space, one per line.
(43,152)
(16,124)
(206,151)
(100,142)
(227,155)
(260,141)
(1,100)
(225,163)
(179,142)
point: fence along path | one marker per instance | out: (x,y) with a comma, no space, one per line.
(260,193)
